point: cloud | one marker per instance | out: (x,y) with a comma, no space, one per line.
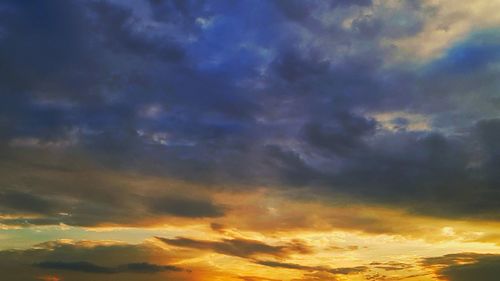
(340,270)
(292,67)
(446,26)
(145,267)
(342,135)
(239,247)
(255,278)
(117,21)
(466,266)
(391,266)
(75,266)
(312,103)
(88,267)
(259,117)
(77,260)
(58,192)
(430,166)
(25,202)
(185,207)
(300,10)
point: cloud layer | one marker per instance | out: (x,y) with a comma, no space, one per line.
(253,117)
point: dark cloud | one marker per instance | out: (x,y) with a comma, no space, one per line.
(77,260)
(291,67)
(391,266)
(24,202)
(288,165)
(186,207)
(217,227)
(88,267)
(285,265)
(294,10)
(300,10)
(451,259)
(441,170)
(118,22)
(238,247)
(340,270)
(51,191)
(75,266)
(255,278)
(145,267)
(341,135)
(485,269)
(196,91)
(466,266)
(52,27)
(348,3)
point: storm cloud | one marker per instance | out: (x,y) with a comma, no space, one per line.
(313,99)
(225,140)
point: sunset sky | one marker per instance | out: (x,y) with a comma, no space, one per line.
(250,140)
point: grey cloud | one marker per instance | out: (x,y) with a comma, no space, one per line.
(51,192)
(186,207)
(466,266)
(426,172)
(391,266)
(77,260)
(340,270)
(241,103)
(25,202)
(341,135)
(292,67)
(300,10)
(238,247)
(88,267)
(75,266)
(145,267)
(288,166)
(117,22)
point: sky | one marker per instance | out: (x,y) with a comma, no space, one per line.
(250,140)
